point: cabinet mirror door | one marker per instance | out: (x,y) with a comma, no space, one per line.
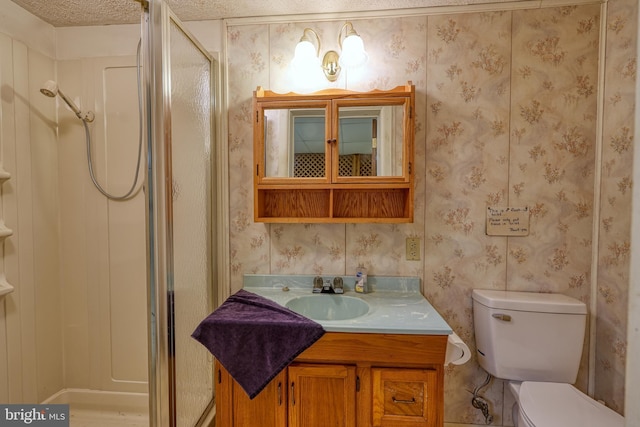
(347,139)
(371,138)
(295,142)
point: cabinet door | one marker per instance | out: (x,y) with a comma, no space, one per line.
(322,395)
(291,142)
(372,140)
(405,397)
(235,409)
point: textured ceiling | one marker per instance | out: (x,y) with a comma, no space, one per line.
(69,13)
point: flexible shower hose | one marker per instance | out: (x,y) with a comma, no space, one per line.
(88,143)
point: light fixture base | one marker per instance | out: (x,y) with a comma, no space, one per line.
(330,65)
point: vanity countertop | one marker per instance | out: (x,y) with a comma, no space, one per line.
(396,305)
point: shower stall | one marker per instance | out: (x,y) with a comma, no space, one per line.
(100,292)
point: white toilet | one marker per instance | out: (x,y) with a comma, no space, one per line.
(535,340)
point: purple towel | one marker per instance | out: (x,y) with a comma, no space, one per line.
(255,338)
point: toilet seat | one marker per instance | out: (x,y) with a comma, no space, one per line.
(562,405)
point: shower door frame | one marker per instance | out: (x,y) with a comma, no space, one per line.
(162,409)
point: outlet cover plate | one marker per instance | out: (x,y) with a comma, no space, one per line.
(413,249)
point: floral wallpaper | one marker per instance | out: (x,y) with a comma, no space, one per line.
(520,131)
(614,229)
(507,110)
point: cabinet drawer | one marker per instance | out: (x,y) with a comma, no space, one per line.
(404,397)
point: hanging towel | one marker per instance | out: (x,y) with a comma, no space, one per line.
(255,338)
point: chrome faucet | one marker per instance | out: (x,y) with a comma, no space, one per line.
(327,286)
(338,285)
(317,285)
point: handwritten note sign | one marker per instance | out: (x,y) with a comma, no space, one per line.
(508,221)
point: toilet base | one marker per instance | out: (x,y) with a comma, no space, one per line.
(516,416)
(514,388)
(515,413)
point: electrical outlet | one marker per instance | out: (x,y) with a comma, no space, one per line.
(413,249)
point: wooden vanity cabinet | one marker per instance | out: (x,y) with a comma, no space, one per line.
(334,156)
(346,380)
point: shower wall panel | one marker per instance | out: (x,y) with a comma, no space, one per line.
(30,334)
(127,284)
(104,295)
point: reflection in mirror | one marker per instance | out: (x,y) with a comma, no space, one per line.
(371,140)
(308,127)
(294,143)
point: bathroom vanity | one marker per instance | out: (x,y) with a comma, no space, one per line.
(381,368)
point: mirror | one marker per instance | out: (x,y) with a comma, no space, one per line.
(370,141)
(309,143)
(294,142)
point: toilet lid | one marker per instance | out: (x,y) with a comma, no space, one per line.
(562,405)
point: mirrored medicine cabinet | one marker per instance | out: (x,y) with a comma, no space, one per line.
(334,156)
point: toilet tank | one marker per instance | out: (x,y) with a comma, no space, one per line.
(528,336)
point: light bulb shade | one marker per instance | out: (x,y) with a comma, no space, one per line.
(353,54)
(305,56)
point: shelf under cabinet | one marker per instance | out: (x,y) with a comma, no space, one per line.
(334,204)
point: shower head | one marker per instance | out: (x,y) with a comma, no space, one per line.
(50,89)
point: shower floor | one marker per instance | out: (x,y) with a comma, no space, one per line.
(90,408)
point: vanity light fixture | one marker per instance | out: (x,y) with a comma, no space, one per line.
(307,55)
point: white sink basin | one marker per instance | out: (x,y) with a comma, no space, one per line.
(328,307)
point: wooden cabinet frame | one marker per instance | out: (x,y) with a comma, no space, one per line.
(375,358)
(333,198)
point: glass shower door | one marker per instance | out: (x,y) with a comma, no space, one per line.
(180,217)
